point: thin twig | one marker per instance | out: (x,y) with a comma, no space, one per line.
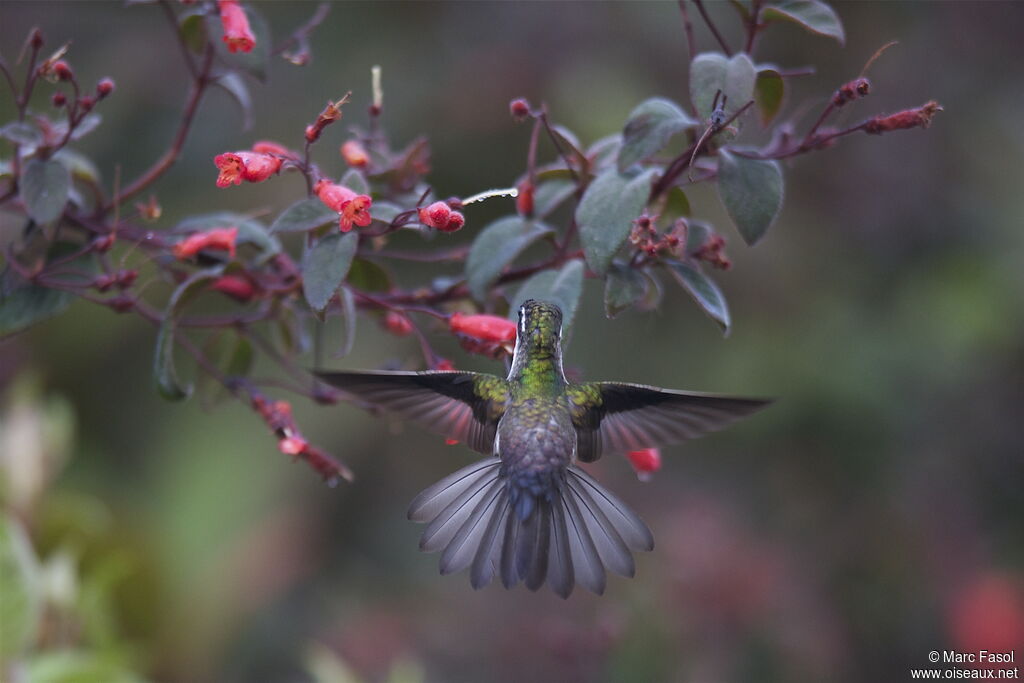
(691,44)
(712,27)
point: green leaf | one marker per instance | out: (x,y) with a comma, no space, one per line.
(79,165)
(385,212)
(768,92)
(167,382)
(367,276)
(606,213)
(677,205)
(355,181)
(22,133)
(751,191)
(649,128)
(813,15)
(570,144)
(623,287)
(561,287)
(547,196)
(495,247)
(703,290)
(254,63)
(325,266)
(711,72)
(235,86)
(192,29)
(44,189)
(603,152)
(29,304)
(303,215)
(20,599)
(241,360)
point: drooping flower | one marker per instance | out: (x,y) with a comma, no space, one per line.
(355,154)
(352,208)
(919,117)
(218,238)
(483,326)
(253,167)
(238,34)
(645,462)
(238,287)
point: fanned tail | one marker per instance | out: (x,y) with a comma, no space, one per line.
(569,539)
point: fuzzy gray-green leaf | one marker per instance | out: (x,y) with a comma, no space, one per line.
(751,191)
(606,213)
(495,247)
(325,266)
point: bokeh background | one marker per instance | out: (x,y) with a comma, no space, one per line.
(872,515)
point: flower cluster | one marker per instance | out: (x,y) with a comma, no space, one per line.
(440,215)
(646,238)
(352,208)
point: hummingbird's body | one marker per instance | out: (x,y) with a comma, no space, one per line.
(527,513)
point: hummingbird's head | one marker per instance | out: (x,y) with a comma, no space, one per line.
(540,326)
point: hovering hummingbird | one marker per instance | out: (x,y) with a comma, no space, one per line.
(527,512)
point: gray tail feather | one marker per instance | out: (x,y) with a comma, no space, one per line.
(567,541)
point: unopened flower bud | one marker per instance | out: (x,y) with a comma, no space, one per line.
(355,154)
(104,87)
(59,99)
(645,462)
(397,324)
(520,109)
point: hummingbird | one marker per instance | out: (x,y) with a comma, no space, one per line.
(527,512)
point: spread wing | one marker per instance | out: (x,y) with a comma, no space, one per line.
(464,406)
(617,417)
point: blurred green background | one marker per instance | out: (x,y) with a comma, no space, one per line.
(870,516)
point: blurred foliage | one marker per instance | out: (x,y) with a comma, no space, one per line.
(841,535)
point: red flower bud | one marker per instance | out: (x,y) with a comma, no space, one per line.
(86,102)
(36,39)
(455,222)
(352,208)
(484,327)
(855,89)
(62,71)
(311,134)
(436,215)
(271,147)
(397,324)
(524,199)
(238,287)
(355,154)
(251,166)
(451,442)
(59,99)
(645,462)
(218,238)
(237,33)
(520,109)
(104,87)
(444,364)
(330,114)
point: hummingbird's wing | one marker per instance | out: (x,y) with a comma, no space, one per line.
(464,406)
(619,417)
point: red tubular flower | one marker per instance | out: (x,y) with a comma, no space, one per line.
(238,287)
(397,324)
(645,462)
(444,364)
(483,327)
(218,238)
(352,208)
(253,167)
(355,154)
(237,32)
